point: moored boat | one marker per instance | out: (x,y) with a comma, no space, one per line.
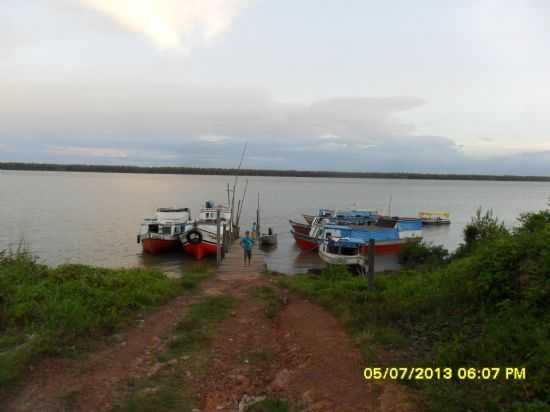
(161,233)
(435,218)
(305,242)
(267,239)
(300,227)
(308,218)
(343,251)
(200,240)
(389,234)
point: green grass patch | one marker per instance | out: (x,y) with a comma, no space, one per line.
(271,405)
(170,389)
(57,310)
(272,298)
(486,306)
(159,394)
(194,275)
(196,329)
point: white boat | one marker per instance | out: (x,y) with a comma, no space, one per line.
(343,251)
(200,239)
(161,233)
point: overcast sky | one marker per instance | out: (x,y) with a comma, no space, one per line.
(424,85)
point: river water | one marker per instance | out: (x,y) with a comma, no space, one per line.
(93,218)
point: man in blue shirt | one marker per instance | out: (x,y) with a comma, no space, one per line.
(247,243)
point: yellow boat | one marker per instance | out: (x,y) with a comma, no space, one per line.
(435,218)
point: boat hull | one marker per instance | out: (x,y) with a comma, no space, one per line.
(268,240)
(301,228)
(154,246)
(334,259)
(309,244)
(305,242)
(436,222)
(384,247)
(200,250)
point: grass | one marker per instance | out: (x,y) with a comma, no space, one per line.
(271,405)
(272,298)
(487,306)
(196,274)
(47,310)
(195,330)
(170,389)
(159,394)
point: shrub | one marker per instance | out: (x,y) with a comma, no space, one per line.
(482,227)
(415,254)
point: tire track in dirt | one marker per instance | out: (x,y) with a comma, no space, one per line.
(303,355)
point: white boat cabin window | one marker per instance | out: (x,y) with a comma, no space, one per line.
(166,230)
(154,228)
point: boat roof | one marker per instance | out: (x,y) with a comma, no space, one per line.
(352,240)
(172,209)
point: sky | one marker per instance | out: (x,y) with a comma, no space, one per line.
(360,85)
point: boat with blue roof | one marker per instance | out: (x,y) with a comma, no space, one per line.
(389,233)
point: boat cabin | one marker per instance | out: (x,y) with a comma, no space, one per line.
(210,211)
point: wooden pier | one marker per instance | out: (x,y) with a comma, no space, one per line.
(232,266)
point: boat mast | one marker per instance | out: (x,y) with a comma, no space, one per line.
(233,222)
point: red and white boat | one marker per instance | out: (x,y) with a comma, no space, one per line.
(301,228)
(200,238)
(161,234)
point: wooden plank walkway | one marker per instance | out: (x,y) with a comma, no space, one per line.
(233,268)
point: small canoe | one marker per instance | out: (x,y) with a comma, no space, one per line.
(268,240)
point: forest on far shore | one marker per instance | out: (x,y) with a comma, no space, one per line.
(184,170)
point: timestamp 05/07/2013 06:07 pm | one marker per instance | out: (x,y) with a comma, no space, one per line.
(431,373)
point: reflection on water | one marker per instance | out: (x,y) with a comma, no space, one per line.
(93,218)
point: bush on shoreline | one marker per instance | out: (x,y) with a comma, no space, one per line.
(54,310)
(488,306)
(422,254)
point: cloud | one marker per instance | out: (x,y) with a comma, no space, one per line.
(169,24)
(102,152)
(214,138)
(174,124)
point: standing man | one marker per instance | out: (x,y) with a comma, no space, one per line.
(247,243)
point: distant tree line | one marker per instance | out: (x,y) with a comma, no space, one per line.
(182,170)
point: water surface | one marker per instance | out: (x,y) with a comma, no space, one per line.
(94,217)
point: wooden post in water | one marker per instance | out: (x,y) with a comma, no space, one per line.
(258,219)
(218,238)
(370,273)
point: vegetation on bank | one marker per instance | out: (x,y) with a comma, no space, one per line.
(485,306)
(260,172)
(46,310)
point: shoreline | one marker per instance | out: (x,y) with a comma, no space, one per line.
(184,170)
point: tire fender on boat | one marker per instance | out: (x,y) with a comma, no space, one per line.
(194,237)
